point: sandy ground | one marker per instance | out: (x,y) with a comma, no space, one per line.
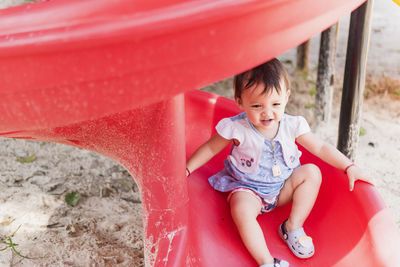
(105,228)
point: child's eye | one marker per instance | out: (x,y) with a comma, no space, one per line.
(277,104)
(256,106)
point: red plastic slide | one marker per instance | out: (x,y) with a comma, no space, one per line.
(348,228)
(110,76)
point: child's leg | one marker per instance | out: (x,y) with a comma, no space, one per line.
(302,187)
(245,208)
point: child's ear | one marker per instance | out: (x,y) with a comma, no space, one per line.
(288,92)
(239,102)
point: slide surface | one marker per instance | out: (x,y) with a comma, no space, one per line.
(348,228)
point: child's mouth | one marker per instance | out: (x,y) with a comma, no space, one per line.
(266,122)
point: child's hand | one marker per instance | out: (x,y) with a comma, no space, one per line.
(355,173)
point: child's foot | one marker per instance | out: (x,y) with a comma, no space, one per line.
(298,242)
(277,263)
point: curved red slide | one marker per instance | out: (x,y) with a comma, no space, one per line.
(348,228)
(109,76)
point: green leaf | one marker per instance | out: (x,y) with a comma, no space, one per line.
(72,199)
(304,75)
(288,61)
(308,106)
(312,82)
(313,91)
(362,131)
(29,159)
(16,230)
(12,245)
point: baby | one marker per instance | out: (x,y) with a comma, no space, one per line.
(263,170)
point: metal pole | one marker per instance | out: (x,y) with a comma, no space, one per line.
(354,79)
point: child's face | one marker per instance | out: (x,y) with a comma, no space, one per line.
(264,110)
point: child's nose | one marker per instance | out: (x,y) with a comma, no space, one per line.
(267,112)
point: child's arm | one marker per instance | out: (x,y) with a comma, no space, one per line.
(334,157)
(205,152)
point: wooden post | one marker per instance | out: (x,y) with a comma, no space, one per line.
(325,78)
(303,52)
(354,79)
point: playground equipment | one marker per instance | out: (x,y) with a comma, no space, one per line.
(114,77)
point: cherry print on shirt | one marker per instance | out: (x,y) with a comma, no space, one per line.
(246,162)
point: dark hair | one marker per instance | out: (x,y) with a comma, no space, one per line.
(270,74)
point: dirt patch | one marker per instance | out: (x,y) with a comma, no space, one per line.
(104,229)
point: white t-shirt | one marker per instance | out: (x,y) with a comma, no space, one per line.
(251,141)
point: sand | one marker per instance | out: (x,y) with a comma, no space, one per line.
(105,228)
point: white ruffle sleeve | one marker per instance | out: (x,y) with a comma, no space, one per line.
(302,126)
(226,128)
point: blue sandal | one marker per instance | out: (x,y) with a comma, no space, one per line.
(298,242)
